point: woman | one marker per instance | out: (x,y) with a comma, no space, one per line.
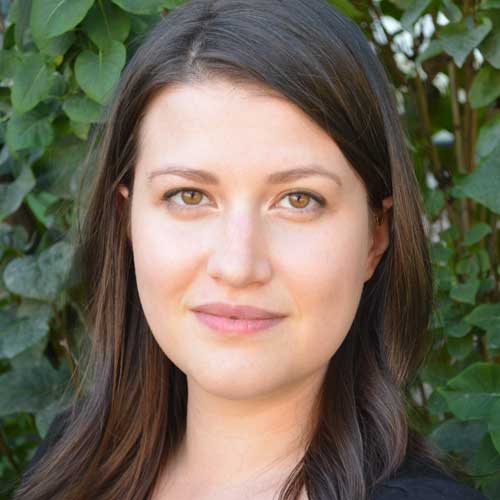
(253,167)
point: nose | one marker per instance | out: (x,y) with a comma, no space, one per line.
(238,255)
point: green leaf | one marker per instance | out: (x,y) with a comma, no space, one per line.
(483,258)
(493,337)
(31,355)
(97,74)
(413,13)
(459,39)
(494,426)
(62,167)
(7,64)
(140,25)
(490,48)
(484,316)
(434,202)
(21,16)
(347,8)
(28,131)
(489,136)
(440,253)
(172,4)
(40,277)
(485,87)
(24,329)
(490,486)
(465,292)
(82,109)
(106,24)
(39,203)
(45,417)
(489,4)
(58,86)
(483,183)
(12,194)
(473,393)
(445,279)
(12,237)
(457,436)
(468,266)
(437,404)
(451,11)
(33,388)
(486,459)
(434,48)
(460,348)
(143,6)
(458,330)
(80,129)
(437,374)
(31,83)
(50,18)
(476,233)
(56,46)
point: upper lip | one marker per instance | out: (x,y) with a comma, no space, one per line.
(237,311)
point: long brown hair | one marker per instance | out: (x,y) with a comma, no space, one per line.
(119,436)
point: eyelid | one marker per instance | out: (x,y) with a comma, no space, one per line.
(321,202)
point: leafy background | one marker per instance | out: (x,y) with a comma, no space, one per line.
(59,61)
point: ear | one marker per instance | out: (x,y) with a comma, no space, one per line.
(380,238)
(123,192)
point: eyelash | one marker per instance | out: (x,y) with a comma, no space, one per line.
(170,194)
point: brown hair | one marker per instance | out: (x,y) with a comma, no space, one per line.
(119,436)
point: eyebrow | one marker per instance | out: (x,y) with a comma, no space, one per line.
(282,177)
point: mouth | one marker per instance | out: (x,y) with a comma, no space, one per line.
(228,325)
(237,312)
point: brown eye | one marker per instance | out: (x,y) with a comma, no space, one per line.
(191,197)
(299,200)
(188,199)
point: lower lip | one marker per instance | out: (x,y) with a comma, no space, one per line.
(228,325)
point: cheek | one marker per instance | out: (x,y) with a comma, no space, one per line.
(326,285)
(163,259)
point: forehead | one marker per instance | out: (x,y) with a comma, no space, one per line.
(222,125)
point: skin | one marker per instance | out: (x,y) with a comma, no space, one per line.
(245,241)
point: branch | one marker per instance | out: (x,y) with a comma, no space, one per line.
(457,130)
(426,123)
(493,253)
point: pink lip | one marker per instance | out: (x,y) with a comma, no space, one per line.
(242,326)
(237,311)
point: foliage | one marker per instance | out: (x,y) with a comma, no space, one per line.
(59,62)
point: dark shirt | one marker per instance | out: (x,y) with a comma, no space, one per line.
(416,481)
(413,481)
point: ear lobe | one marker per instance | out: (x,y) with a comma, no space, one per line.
(380,238)
(123,190)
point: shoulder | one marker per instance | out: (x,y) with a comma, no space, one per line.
(424,484)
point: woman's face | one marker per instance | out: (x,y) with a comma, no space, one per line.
(244,239)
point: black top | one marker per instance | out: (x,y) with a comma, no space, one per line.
(414,481)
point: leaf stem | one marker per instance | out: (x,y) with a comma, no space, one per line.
(7,451)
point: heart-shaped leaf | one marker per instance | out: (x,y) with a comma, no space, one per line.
(31,83)
(98,73)
(50,18)
(40,277)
